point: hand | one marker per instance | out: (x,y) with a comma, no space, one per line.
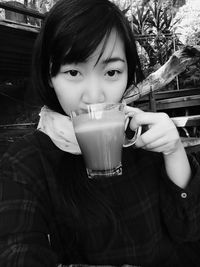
(161,135)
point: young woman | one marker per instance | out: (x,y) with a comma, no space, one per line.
(51,213)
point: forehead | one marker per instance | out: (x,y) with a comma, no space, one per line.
(113,46)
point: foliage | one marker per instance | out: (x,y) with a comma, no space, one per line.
(189,26)
(160,27)
(189,32)
(153,24)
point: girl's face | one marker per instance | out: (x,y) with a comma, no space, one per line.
(89,82)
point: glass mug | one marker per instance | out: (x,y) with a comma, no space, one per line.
(100,132)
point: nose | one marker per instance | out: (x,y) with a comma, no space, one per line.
(93,91)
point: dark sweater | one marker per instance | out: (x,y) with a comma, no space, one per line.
(51,213)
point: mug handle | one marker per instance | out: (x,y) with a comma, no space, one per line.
(130,142)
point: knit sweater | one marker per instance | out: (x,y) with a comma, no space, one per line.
(51,213)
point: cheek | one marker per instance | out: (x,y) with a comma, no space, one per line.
(68,102)
(115,95)
(66,94)
(120,87)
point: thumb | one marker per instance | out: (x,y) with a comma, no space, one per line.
(131,113)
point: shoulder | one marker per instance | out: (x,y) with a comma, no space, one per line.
(30,146)
(27,159)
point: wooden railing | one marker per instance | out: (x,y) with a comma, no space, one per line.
(172,102)
(174,99)
(22,10)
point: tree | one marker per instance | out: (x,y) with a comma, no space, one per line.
(152,22)
(189,25)
(188,29)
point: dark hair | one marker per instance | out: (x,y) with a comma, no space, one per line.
(71,32)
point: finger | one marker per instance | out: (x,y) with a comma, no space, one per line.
(157,134)
(144,140)
(161,149)
(151,135)
(163,145)
(132,110)
(157,145)
(148,118)
(130,113)
(165,149)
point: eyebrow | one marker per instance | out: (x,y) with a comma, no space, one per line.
(113,59)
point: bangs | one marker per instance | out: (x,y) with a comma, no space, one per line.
(84,46)
(79,41)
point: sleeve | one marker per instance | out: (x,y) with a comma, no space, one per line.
(24,217)
(181,207)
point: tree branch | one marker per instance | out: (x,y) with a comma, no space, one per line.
(176,64)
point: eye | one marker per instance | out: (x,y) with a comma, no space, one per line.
(73,73)
(113,74)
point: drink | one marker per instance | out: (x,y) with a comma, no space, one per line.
(100,132)
(101,140)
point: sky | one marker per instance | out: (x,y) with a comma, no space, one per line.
(195,3)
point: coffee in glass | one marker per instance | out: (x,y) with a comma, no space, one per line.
(100,132)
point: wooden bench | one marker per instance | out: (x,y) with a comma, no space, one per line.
(20,9)
(17,40)
(166,100)
(172,102)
